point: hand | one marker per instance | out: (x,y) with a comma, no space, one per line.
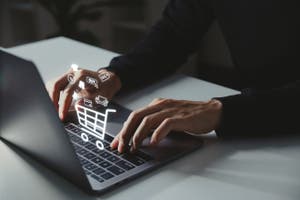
(61,90)
(165,115)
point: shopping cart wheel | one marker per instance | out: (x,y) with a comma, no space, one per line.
(99,144)
(84,137)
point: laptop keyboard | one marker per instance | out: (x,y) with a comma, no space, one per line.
(104,164)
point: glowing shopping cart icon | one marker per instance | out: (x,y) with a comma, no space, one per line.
(93,123)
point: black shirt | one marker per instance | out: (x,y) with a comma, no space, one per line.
(264,39)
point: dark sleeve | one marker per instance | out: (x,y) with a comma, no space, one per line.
(167,45)
(261,113)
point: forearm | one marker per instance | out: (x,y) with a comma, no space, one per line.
(167,45)
(258,113)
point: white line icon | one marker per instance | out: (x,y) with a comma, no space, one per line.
(104,77)
(71,78)
(101,100)
(93,123)
(74,67)
(92,81)
(88,103)
(75,95)
(81,85)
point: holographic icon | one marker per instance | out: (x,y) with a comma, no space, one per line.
(88,103)
(101,100)
(92,123)
(81,85)
(92,81)
(75,95)
(104,76)
(74,67)
(71,79)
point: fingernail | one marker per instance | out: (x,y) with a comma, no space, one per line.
(61,115)
(153,142)
(112,145)
(120,147)
(132,149)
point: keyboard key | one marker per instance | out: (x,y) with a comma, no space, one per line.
(87,172)
(105,164)
(90,166)
(69,126)
(89,156)
(86,144)
(97,160)
(97,178)
(75,138)
(106,144)
(125,165)
(90,146)
(116,170)
(76,147)
(105,154)
(133,159)
(72,135)
(108,138)
(92,139)
(76,130)
(99,171)
(113,159)
(97,151)
(80,142)
(144,156)
(82,151)
(107,175)
(83,161)
(116,152)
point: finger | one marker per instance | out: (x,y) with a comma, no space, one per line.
(66,99)
(156,101)
(164,129)
(132,123)
(55,88)
(115,143)
(148,123)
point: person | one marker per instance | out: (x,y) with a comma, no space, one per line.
(264,39)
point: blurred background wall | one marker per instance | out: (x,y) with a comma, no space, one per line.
(115,25)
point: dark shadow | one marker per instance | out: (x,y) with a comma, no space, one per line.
(59,183)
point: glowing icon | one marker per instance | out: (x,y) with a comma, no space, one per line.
(71,78)
(88,103)
(81,85)
(104,77)
(93,123)
(101,100)
(74,67)
(92,81)
(75,96)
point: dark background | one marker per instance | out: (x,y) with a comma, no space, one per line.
(115,25)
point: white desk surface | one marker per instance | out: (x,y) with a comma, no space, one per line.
(254,169)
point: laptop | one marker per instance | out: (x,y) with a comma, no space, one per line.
(29,121)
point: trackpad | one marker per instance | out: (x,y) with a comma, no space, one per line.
(175,143)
